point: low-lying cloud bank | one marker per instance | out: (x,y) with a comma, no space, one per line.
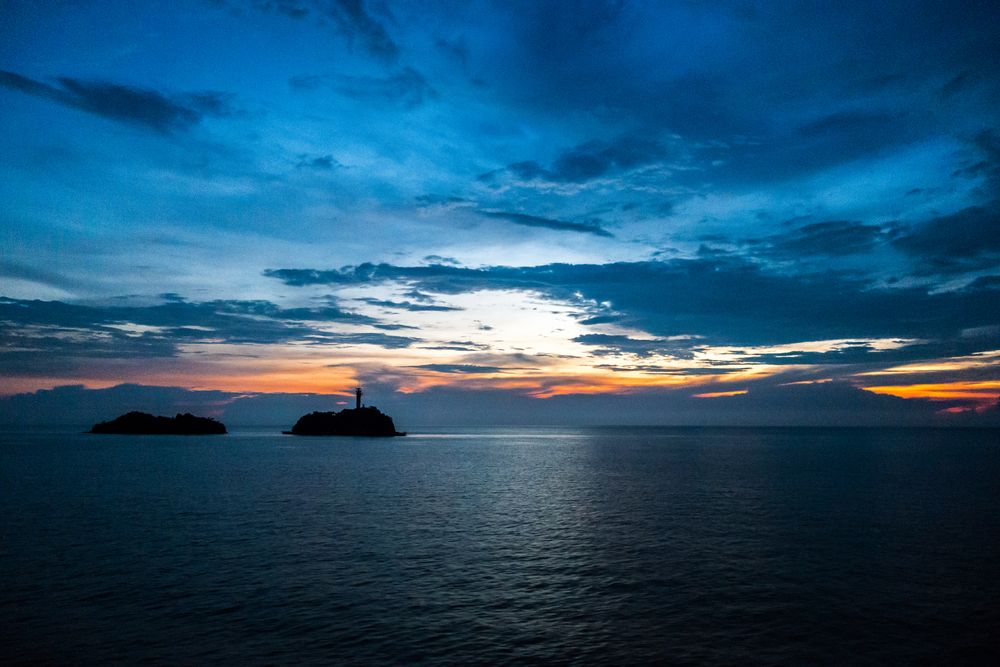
(823,404)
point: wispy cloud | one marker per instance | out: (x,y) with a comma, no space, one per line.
(548,223)
(464,369)
(127,104)
(589,160)
(831,238)
(351,18)
(38,335)
(407,88)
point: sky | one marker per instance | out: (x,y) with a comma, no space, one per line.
(663,212)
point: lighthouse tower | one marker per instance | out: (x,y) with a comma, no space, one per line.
(357,395)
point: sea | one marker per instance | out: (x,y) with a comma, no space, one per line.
(589,546)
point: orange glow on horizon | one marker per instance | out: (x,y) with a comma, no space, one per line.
(986,391)
(317,375)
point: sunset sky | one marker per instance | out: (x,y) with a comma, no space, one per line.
(692,203)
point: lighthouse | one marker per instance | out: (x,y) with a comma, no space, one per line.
(357,395)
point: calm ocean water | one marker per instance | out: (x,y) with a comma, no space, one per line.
(608,546)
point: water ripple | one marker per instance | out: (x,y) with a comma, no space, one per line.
(585,546)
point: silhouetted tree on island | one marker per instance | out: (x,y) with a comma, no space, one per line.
(141,423)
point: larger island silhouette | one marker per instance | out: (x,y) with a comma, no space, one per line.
(142,423)
(357,421)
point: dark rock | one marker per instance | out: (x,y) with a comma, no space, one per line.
(141,423)
(357,421)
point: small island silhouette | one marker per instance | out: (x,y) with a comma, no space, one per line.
(142,423)
(358,421)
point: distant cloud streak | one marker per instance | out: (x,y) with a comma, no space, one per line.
(548,223)
(127,104)
(407,88)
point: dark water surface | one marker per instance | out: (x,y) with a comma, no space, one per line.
(614,546)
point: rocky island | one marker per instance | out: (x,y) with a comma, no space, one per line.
(141,423)
(359,421)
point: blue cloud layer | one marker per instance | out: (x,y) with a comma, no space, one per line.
(733,173)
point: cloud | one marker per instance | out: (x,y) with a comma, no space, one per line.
(967,240)
(11,269)
(318,162)
(777,155)
(459,368)
(409,305)
(377,339)
(860,353)
(394,327)
(607,344)
(51,336)
(832,238)
(548,223)
(443,203)
(825,404)
(726,300)
(858,124)
(590,160)
(350,17)
(135,106)
(601,319)
(355,20)
(407,88)
(78,406)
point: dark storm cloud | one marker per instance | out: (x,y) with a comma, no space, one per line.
(548,223)
(728,301)
(136,106)
(968,240)
(407,88)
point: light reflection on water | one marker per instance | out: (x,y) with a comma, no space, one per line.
(590,545)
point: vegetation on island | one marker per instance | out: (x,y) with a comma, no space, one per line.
(142,423)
